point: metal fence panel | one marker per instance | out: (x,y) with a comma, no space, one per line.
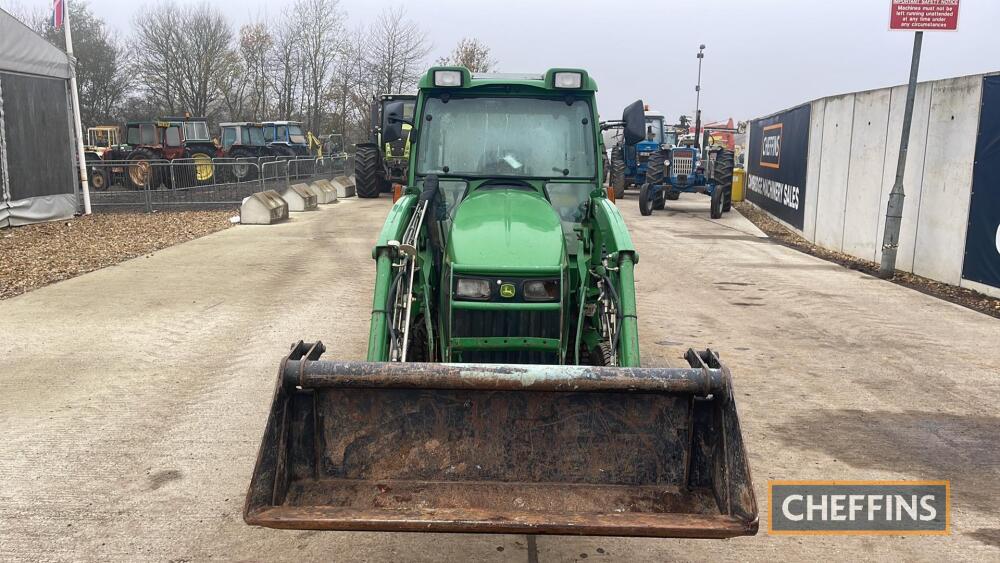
(185,183)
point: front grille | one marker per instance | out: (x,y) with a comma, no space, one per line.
(682,163)
(513,323)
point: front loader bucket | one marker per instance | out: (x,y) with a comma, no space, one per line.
(503,449)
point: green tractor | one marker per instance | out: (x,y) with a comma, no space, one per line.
(502,390)
(380,162)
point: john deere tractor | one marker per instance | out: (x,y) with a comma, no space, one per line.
(379,163)
(502,390)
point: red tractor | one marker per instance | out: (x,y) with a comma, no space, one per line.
(149,145)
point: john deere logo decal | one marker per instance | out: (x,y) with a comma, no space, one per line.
(507,290)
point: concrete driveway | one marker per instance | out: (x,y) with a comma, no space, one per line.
(132,398)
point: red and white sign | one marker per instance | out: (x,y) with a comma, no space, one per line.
(924,15)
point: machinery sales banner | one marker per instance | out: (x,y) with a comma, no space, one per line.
(776,164)
(982,241)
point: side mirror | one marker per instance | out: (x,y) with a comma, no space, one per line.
(634,121)
(392,122)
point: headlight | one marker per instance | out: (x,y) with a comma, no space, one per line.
(541,290)
(567,80)
(467,288)
(447,78)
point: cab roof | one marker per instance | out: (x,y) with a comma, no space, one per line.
(544,81)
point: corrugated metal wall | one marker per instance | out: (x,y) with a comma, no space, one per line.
(39,161)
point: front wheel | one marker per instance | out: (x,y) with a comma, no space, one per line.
(617,174)
(645,199)
(715,211)
(98,179)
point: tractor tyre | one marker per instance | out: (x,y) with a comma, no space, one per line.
(602,355)
(98,179)
(202,172)
(723,177)
(140,172)
(367,172)
(654,175)
(718,197)
(243,171)
(420,349)
(645,199)
(673,196)
(617,174)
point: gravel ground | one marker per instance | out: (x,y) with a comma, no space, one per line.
(959,295)
(36,255)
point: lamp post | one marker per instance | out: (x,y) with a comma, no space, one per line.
(697,100)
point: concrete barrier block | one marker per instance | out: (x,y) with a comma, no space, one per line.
(263,208)
(325,192)
(299,198)
(344,185)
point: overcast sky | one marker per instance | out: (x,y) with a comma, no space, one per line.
(761,55)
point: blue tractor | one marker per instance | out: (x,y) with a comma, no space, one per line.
(629,163)
(688,169)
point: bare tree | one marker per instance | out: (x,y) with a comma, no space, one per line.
(207,37)
(286,68)
(471,53)
(322,25)
(156,65)
(256,46)
(354,84)
(180,55)
(396,51)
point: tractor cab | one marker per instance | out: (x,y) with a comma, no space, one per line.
(161,139)
(244,142)
(198,145)
(102,138)
(629,162)
(243,139)
(286,138)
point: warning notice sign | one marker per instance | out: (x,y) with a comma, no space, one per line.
(924,15)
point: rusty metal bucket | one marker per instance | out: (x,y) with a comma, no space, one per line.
(503,449)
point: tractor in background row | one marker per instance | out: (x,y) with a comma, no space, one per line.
(147,142)
(689,169)
(286,138)
(198,146)
(379,164)
(101,140)
(244,141)
(629,163)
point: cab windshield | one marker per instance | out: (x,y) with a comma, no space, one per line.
(514,137)
(256,136)
(295,135)
(654,129)
(195,131)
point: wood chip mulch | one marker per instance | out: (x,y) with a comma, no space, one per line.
(36,255)
(958,295)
